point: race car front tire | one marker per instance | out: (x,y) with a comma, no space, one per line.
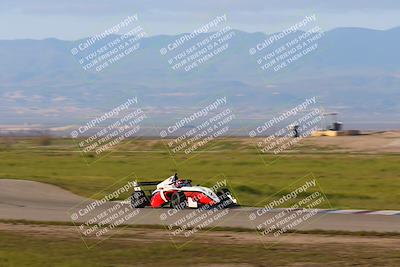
(223,192)
(224,195)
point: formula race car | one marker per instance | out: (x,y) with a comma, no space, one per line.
(179,194)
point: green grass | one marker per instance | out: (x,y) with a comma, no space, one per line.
(34,249)
(359,181)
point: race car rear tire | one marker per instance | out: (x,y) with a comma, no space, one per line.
(139,200)
(178,200)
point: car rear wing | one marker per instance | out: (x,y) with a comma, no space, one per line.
(138,185)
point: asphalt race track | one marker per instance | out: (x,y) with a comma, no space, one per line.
(34,201)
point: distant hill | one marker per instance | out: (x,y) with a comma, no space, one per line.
(354,71)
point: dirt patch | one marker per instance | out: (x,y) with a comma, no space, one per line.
(212,237)
(374,142)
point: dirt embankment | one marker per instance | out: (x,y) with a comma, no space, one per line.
(213,237)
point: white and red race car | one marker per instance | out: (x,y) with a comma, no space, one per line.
(179,194)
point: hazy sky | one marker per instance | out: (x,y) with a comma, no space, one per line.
(74,19)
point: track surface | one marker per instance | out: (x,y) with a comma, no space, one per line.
(28,200)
